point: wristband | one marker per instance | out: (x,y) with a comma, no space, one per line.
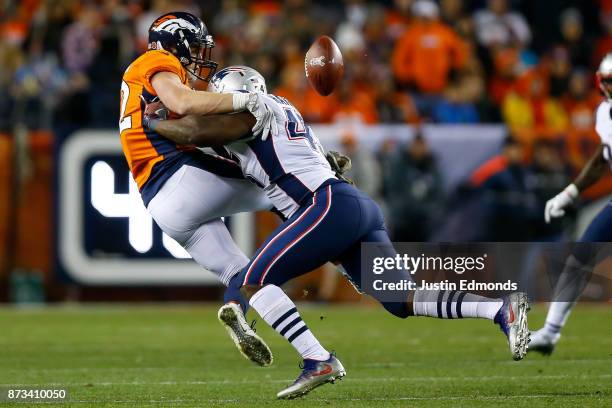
(239,101)
(572,191)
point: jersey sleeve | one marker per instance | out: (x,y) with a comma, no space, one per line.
(159,61)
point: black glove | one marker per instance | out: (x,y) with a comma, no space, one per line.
(340,164)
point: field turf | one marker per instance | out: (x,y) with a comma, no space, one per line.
(179,355)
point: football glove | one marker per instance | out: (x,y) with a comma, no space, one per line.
(264,115)
(340,164)
(555,207)
(154,111)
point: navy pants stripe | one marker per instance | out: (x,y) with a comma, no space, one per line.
(600,229)
(332,227)
(287,236)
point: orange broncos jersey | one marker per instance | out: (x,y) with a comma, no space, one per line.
(152,158)
(143,149)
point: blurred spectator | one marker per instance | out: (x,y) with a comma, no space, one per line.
(11,58)
(498,26)
(573,36)
(81,41)
(394,106)
(457,106)
(398,17)
(603,45)
(506,203)
(546,177)
(413,191)
(506,70)
(365,170)
(558,66)
(427,52)
(580,103)
(230,19)
(356,106)
(529,110)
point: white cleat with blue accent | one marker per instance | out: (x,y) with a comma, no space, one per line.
(543,341)
(314,374)
(512,320)
(250,345)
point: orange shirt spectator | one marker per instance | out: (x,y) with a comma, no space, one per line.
(355,105)
(425,54)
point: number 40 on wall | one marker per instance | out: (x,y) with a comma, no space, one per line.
(130,206)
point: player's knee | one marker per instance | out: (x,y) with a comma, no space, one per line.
(249,290)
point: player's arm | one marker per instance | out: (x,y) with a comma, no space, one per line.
(182,100)
(199,130)
(591,172)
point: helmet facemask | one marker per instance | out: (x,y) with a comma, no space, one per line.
(197,58)
(605,85)
(186,37)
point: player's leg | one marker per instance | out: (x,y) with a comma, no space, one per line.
(187,198)
(571,282)
(509,313)
(316,233)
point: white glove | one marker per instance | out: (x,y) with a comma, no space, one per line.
(555,207)
(264,115)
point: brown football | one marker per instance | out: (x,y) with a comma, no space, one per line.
(323,65)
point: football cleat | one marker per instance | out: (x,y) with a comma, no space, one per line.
(512,319)
(250,345)
(543,341)
(314,373)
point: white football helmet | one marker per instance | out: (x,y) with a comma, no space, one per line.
(604,76)
(238,78)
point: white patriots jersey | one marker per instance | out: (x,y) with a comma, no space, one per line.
(289,166)
(603,126)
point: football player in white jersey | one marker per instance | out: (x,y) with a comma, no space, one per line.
(579,265)
(326,219)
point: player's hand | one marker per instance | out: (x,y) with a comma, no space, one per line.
(340,164)
(555,207)
(264,115)
(153,111)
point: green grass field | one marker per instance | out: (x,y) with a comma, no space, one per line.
(180,356)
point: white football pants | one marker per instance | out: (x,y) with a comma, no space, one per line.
(188,208)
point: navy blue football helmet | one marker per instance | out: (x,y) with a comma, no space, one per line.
(186,37)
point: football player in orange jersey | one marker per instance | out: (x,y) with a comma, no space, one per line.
(186,190)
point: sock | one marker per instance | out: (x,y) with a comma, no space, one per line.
(275,307)
(232,293)
(558,312)
(570,285)
(453,304)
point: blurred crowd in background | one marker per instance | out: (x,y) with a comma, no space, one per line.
(528,64)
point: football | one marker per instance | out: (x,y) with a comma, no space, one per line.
(323,65)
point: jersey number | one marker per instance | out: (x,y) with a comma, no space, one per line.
(124,122)
(296,129)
